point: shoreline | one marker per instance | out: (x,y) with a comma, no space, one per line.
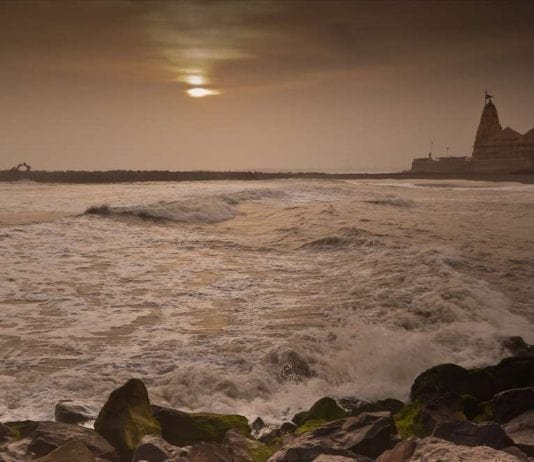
(129,176)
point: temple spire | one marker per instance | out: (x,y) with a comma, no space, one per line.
(489,125)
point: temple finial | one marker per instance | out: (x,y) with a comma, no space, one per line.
(487,97)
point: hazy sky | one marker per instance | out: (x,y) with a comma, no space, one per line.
(289,84)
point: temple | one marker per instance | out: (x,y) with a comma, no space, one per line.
(496,150)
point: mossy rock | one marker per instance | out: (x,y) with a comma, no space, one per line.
(21,428)
(310,425)
(243,448)
(408,423)
(486,412)
(126,418)
(325,409)
(471,407)
(438,380)
(183,429)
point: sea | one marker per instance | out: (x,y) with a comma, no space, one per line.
(255,298)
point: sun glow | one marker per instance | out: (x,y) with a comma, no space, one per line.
(201,92)
(196,80)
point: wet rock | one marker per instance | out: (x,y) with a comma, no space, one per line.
(291,366)
(521,431)
(155,449)
(325,410)
(268,436)
(511,403)
(287,427)
(517,346)
(16,451)
(481,383)
(68,412)
(516,452)
(471,434)
(242,449)
(183,429)
(258,424)
(21,428)
(389,404)
(434,449)
(71,451)
(402,451)
(368,434)
(126,418)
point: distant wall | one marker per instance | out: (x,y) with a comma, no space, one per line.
(501,165)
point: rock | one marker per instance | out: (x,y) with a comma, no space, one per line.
(517,346)
(521,431)
(4,432)
(287,427)
(400,453)
(126,418)
(356,406)
(471,434)
(511,403)
(516,452)
(325,410)
(434,450)
(72,450)
(368,434)
(68,412)
(258,424)
(208,452)
(242,449)
(155,449)
(481,383)
(21,428)
(291,366)
(325,458)
(269,435)
(183,429)
(16,451)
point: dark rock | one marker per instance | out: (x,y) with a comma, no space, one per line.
(389,404)
(517,346)
(48,436)
(400,453)
(471,434)
(291,366)
(182,428)
(481,383)
(511,403)
(126,418)
(4,432)
(21,428)
(326,410)
(155,449)
(16,451)
(258,424)
(243,449)
(369,435)
(287,427)
(69,412)
(71,451)
(521,431)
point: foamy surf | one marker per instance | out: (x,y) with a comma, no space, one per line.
(265,297)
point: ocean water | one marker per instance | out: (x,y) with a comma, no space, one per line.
(255,297)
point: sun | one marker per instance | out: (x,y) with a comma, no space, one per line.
(199,92)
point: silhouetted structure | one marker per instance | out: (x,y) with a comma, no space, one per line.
(496,150)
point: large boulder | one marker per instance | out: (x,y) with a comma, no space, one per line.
(434,449)
(67,411)
(511,403)
(183,429)
(126,418)
(290,366)
(48,436)
(471,434)
(325,410)
(71,451)
(481,383)
(521,431)
(368,434)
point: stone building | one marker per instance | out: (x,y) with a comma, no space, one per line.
(496,150)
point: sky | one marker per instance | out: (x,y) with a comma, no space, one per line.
(256,85)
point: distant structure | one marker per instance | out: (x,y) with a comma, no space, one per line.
(495,150)
(20,166)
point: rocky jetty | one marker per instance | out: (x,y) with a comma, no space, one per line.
(454,414)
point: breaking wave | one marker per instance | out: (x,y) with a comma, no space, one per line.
(394,201)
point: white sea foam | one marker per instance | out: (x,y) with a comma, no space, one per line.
(224,277)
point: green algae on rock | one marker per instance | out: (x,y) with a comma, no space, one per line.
(126,418)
